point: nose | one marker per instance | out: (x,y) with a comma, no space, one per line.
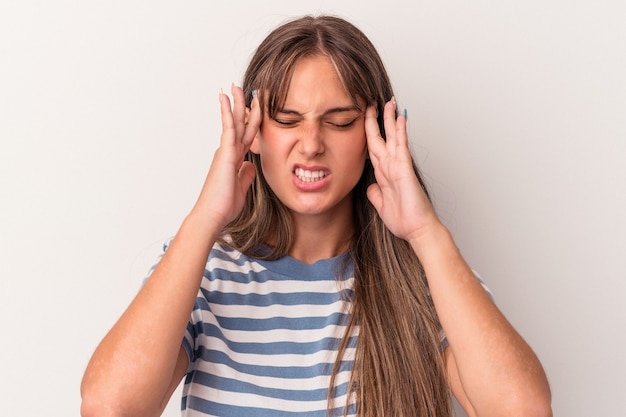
(310,140)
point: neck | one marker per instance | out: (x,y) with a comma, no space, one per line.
(321,237)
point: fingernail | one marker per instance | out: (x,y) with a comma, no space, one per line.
(253,93)
(405,114)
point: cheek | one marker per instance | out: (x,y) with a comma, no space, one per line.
(268,166)
(272,140)
(354,156)
(272,159)
(357,146)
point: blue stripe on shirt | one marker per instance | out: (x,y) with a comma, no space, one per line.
(284,372)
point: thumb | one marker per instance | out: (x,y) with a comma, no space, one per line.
(246,174)
(375,196)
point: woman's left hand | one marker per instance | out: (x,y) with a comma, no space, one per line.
(397,194)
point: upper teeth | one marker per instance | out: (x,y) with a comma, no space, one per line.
(306,175)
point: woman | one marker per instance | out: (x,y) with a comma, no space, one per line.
(331,287)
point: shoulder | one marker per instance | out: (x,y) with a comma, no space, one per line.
(223,256)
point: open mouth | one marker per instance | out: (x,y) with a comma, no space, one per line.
(305,175)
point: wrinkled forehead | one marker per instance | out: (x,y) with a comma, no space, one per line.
(273,95)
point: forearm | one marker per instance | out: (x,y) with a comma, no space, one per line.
(132,368)
(498,371)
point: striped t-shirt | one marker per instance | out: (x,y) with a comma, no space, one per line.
(263,337)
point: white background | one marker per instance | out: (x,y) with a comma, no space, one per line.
(109,117)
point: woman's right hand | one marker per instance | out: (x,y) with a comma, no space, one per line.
(120,378)
(223,194)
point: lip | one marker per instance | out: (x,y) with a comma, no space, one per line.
(310,185)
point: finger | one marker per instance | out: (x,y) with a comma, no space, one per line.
(401,133)
(253,121)
(389,121)
(239,110)
(228,125)
(375,142)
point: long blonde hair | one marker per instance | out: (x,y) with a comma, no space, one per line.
(399,367)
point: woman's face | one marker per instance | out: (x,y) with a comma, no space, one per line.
(313,151)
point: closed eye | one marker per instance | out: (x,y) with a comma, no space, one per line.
(286,122)
(342,123)
(348,124)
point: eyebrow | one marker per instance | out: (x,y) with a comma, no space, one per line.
(327,112)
